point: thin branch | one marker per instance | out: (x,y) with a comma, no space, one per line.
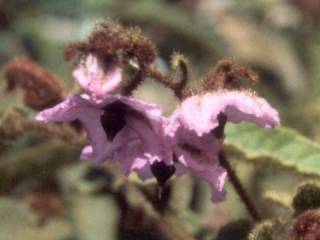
(131,198)
(243,194)
(180,63)
(135,82)
(166,80)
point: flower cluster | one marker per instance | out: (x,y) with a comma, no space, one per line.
(136,134)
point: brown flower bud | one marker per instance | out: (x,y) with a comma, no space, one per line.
(224,75)
(41,89)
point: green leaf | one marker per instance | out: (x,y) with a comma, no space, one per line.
(281,146)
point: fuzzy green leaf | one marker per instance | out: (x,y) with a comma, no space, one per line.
(281,146)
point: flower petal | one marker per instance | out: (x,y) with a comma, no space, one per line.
(214,175)
(76,107)
(86,152)
(200,113)
(216,178)
(199,153)
(137,146)
(138,143)
(97,79)
(190,128)
(68,110)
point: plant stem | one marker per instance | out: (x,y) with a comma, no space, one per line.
(166,80)
(133,201)
(183,65)
(179,89)
(243,194)
(135,82)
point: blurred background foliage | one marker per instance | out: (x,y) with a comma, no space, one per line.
(47,194)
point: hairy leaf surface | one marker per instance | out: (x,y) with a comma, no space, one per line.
(280,146)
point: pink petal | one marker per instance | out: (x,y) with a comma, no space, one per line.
(76,107)
(214,175)
(97,79)
(68,110)
(216,178)
(145,173)
(199,113)
(189,130)
(86,152)
(137,146)
(149,110)
(199,153)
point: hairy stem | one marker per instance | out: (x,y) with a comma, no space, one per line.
(130,198)
(166,80)
(243,194)
(178,90)
(135,82)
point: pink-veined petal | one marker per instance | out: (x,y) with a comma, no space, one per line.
(200,113)
(137,146)
(97,79)
(77,108)
(216,178)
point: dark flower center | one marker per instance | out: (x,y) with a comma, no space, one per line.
(218,132)
(193,151)
(113,119)
(162,172)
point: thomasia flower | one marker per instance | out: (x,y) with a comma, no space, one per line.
(98,77)
(196,131)
(120,128)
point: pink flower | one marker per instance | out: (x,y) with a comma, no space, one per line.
(196,131)
(97,77)
(120,128)
(137,135)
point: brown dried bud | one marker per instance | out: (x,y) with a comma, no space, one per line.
(46,201)
(41,89)
(310,9)
(75,50)
(224,75)
(114,41)
(307,197)
(307,226)
(142,47)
